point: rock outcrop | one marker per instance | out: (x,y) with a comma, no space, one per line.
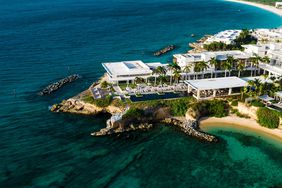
(77,106)
(121,129)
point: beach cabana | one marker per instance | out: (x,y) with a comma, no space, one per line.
(278,96)
(215,87)
(266,98)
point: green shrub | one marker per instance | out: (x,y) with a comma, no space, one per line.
(88,99)
(234,103)
(103,102)
(242,115)
(215,108)
(218,108)
(257,103)
(268,118)
(133,113)
(233,111)
(105,84)
(179,107)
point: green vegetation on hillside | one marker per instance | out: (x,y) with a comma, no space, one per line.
(212,108)
(134,113)
(98,102)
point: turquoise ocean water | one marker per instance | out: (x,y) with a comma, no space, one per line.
(42,41)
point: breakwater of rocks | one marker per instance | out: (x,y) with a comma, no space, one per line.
(57,85)
(164,50)
(191,128)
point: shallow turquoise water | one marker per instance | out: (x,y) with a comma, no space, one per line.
(42,41)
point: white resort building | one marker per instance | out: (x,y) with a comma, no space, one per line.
(127,71)
(226,37)
(190,59)
(273,51)
(268,35)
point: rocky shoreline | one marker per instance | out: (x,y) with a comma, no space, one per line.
(119,124)
(76,106)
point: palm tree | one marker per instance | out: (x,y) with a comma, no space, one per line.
(176,75)
(187,69)
(256,88)
(139,80)
(214,62)
(230,61)
(240,67)
(161,71)
(202,65)
(266,59)
(162,79)
(173,67)
(196,69)
(226,66)
(255,62)
(155,73)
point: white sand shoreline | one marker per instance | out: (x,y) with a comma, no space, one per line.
(241,122)
(262,6)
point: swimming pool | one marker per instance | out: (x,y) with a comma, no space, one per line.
(156,96)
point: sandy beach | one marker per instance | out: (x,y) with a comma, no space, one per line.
(265,7)
(241,122)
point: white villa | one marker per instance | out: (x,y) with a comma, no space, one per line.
(273,51)
(226,37)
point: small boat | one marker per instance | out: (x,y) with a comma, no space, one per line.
(192,35)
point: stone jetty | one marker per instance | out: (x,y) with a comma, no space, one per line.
(57,85)
(191,128)
(164,50)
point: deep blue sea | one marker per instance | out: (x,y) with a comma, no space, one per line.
(42,41)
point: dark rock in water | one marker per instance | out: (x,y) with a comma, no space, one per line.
(57,85)
(164,50)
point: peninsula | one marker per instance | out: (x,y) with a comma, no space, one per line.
(234,80)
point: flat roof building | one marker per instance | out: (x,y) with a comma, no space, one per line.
(215,87)
(227,37)
(186,59)
(268,35)
(126,70)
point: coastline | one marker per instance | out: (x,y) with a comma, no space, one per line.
(238,122)
(262,6)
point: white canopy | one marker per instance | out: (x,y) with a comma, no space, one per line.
(266,98)
(279,94)
(216,83)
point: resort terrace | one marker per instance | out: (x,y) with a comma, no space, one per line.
(215,87)
(127,70)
